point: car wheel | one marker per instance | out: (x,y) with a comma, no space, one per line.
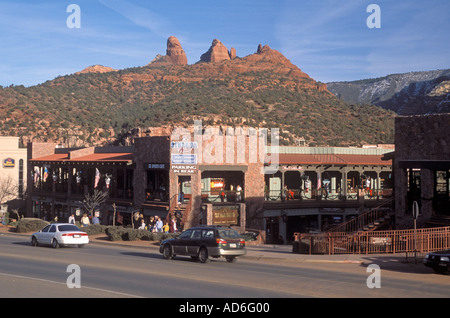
(203,255)
(230,259)
(55,243)
(167,252)
(34,241)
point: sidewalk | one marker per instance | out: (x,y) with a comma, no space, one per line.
(271,252)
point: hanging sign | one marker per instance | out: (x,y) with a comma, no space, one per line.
(9,163)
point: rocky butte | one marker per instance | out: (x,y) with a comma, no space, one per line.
(174,53)
(218,52)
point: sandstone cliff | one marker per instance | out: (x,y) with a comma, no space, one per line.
(174,53)
(218,52)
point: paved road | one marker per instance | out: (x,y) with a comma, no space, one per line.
(120,271)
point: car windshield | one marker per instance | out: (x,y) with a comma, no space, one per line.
(228,233)
(67,227)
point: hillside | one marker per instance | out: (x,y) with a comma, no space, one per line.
(101,105)
(413,93)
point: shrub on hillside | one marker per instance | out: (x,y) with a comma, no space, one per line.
(26,225)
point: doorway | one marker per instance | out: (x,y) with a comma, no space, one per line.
(184,188)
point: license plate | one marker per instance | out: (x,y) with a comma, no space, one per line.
(76,236)
(233,245)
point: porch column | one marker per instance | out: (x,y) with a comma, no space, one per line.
(344,183)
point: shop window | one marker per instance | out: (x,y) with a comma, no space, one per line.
(414,188)
(21,179)
(441,198)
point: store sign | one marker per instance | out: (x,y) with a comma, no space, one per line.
(228,215)
(217,184)
(184,144)
(9,163)
(184,169)
(381,240)
(156,166)
(178,159)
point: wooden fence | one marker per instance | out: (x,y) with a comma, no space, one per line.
(370,242)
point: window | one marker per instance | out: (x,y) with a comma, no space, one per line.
(231,234)
(208,233)
(45,229)
(21,179)
(186,234)
(197,234)
(414,189)
(52,229)
(442,182)
(62,228)
(441,199)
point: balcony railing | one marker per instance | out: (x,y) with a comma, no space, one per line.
(222,196)
(322,194)
(393,241)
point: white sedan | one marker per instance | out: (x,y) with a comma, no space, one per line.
(60,234)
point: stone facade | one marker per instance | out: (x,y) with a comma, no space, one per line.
(422,147)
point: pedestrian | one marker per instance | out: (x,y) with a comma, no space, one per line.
(151,224)
(173,225)
(166,227)
(72,219)
(136,220)
(158,224)
(85,221)
(95,219)
(238,193)
(142,226)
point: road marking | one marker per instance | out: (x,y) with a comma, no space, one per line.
(64,284)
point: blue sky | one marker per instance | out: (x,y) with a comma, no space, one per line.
(329,40)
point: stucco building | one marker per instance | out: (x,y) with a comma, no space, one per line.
(13,171)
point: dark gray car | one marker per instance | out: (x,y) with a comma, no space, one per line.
(438,261)
(204,242)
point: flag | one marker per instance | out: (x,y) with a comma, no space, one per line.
(319,183)
(36,175)
(45,174)
(97,177)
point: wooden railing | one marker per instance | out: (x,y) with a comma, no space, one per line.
(394,241)
(172,205)
(186,213)
(364,219)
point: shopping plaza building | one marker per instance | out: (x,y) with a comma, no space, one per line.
(212,176)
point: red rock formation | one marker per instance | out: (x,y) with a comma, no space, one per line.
(217,52)
(232,53)
(96,69)
(174,53)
